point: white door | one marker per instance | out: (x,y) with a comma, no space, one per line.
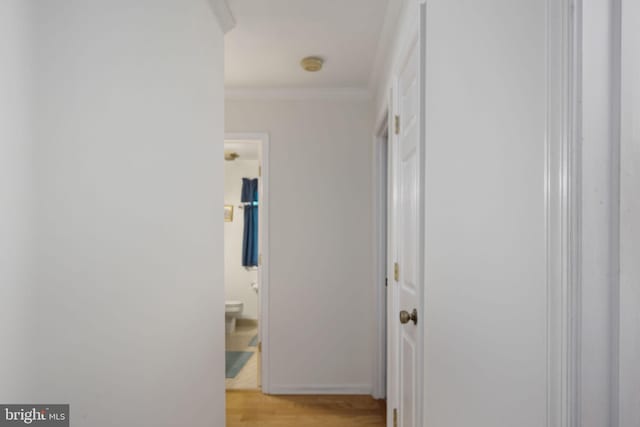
(408,265)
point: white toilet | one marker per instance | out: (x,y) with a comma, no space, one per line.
(231,313)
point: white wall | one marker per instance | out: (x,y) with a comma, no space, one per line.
(237,279)
(321,295)
(487,305)
(16,199)
(130,181)
(598,158)
(629,373)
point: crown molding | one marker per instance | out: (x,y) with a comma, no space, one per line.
(223,13)
(293,94)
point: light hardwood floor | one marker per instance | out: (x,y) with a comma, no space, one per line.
(254,409)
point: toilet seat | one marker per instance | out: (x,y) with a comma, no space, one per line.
(233,306)
(232,309)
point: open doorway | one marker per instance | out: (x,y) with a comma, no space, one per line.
(245,229)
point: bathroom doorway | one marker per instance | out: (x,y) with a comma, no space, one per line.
(245,259)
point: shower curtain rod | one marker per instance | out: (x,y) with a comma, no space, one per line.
(248,203)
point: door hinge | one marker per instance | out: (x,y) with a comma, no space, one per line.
(386,282)
(397,123)
(260,259)
(395,417)
(260,170)
(260,347)
(396,272)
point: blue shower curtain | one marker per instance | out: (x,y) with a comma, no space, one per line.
(250,239)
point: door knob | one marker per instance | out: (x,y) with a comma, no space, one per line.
(405,316)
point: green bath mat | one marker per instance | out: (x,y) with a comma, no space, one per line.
(235,361)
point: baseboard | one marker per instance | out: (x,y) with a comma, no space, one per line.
(364,389)
(246,322)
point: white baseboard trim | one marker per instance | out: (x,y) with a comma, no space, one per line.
(246,321)
(365,389)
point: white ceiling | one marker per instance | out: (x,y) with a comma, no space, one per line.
(272,36)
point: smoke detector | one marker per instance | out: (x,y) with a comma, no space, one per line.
(312,63)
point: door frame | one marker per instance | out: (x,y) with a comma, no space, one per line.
(380,208)
(261,138)
(563,189)
(384,154)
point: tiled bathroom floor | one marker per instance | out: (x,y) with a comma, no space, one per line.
(247,378)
